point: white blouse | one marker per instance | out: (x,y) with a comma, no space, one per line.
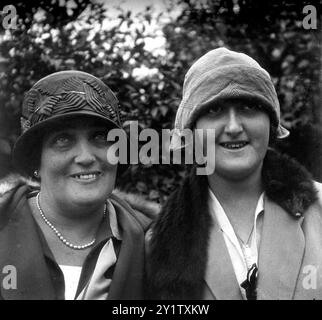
(97,286)
(71,277)
(241,261)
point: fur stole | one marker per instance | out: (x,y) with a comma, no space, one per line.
(178,240)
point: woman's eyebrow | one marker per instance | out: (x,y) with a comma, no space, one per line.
(72,130)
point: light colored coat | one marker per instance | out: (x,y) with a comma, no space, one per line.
(290,257)
(188,258)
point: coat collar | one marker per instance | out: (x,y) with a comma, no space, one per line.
(287,183)
(280,230)
(281,252)
(220,276)
(128,275)
(182,234)
(22,250)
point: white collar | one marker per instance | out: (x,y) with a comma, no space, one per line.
(224,223)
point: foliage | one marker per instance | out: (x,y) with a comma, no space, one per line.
(57,39)
(271,32)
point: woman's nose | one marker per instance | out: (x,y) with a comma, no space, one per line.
(85,155)
(233,124)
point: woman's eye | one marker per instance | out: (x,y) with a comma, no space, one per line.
(100,136)
(62,140)
(249,107)
(215,110)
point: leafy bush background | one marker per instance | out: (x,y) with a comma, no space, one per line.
(62,38)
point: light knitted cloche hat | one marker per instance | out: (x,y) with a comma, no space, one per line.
(223,74)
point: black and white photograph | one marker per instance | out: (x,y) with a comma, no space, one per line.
(157,150)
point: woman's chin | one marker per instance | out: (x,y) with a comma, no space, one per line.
(236,171)
(88,198)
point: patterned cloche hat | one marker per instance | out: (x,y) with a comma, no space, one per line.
(59,96)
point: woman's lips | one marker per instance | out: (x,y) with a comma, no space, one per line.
(234,145)
(86,177)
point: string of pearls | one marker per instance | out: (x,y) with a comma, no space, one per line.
(59,235)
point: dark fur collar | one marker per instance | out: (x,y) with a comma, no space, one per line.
(288,183)
(178,244)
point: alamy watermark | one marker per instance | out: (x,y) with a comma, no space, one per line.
(8,15)
(192,147)
(310,20)
(9,277)
(310,280)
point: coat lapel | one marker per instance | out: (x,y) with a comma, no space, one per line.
(23,250)
(220,276)
(280,254)
(128,275)
(185,216)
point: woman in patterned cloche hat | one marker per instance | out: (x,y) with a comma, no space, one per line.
(70,236)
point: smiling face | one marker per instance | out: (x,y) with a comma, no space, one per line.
(242,132)
(73,168)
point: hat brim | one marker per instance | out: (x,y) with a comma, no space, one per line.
(282,132)
(30,142)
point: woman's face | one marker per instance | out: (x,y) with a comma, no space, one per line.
(74,168)
(241,137)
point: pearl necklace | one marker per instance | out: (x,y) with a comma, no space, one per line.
(59,235)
